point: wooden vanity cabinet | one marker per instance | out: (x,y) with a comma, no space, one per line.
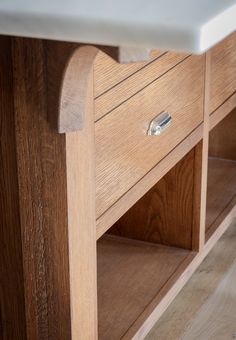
(124,152)
(116,182)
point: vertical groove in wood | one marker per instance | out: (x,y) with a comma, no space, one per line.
(196,229)
(43,199)
(12,312)
(205,147)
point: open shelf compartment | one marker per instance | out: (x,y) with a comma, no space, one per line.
(131,274)
(143,254)
(221,190)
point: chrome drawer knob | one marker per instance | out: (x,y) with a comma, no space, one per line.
(159,124)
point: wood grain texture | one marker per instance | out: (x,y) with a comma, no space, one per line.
(74,88)
(108,73)
(48,197)
(149,180)
(222,111)
(41,180)
(156,308)
(12,299)
(81,213)
(126,89)
(165,214)
(222,142)
(42,198)
(221,188)
(124,153)
(133,272)
(223,70)
(204,151)
(67,81)
(198,232)
(222,169)
(226,217)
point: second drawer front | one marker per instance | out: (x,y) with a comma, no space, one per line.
(124,152)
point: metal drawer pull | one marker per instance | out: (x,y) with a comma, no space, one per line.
(159,124)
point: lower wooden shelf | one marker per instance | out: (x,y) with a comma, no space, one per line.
(221,188)
(147,256)
(130,275)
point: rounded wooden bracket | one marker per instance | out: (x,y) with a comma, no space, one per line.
(69,68)
(74,89)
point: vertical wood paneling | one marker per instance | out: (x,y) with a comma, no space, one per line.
(12,312)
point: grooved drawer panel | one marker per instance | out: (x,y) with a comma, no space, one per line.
(223,71)
(124,152)
(137,81)
(108,72)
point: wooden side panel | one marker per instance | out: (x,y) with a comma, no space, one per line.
(222,142)
(41,175)
(80,161)
(165,214)
(126,89)
(12,304)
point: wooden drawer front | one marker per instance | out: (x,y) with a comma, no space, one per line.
(108,73)
(136,82)
(223,71)
(124,153)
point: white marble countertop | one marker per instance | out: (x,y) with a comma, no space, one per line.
(184,25)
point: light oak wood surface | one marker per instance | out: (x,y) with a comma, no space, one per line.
(126,89)
(222,111)
(130,275)
(222,142)
(222,169)
(106,220)
(158,306)
(165,214)
(124,153)
(204,151)
(221,188)
(108,72)
(50,213)
(223,70)
(81,212)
